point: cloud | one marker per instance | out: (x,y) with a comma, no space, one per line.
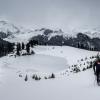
(65,14)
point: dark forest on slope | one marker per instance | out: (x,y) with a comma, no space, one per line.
(5,47)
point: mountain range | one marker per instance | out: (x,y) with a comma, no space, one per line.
(85,39)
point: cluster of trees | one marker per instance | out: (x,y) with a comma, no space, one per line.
(86,46)
(85,42)
(37,78)
(19,48)
(27,47)
(82,41)
(33,42)
(5,47)
(86,63)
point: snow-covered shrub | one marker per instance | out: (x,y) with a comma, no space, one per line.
(84,69)
(52,76)
(26,78)
(76,69)
(35,77)
(45,77)
(93,57)
(82,60)
(20,75)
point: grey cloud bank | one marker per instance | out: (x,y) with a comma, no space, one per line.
(65,14)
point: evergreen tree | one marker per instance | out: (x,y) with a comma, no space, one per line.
(18,49)
(18,52)
(36,78)
(26,78)
(5,47)
(31,43)
(52,76)
(23,46)
(28,48)
(78,45)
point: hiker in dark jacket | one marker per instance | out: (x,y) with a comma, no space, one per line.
(96,68)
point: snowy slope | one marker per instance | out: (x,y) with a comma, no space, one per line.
(76,87)
(8,27)
(80,86)
(15,33)
(20,34)
(71,54)
(91,32)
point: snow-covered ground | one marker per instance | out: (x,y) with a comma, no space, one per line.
(48,59)
(71,54)
(37,62)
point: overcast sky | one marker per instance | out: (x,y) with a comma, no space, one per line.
(65,14)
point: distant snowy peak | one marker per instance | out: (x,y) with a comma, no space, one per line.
(49,33)
(8,27)
(17,33)
(11,29)
(92,33)
(45,32)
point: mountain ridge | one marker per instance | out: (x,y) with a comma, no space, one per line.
(45,36)
(11,29)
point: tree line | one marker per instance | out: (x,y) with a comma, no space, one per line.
(24,49)
(5,47)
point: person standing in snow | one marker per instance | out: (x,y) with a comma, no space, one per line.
(96,68)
